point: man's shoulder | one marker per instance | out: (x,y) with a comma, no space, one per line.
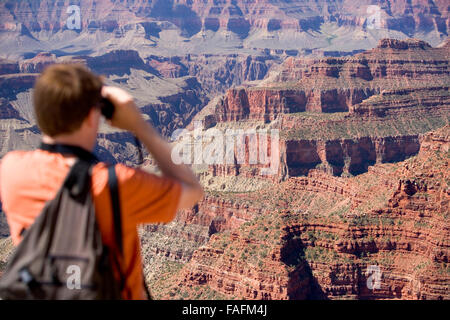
(129,176)
(17,154)
(14,158)
(124,173)
(18,169)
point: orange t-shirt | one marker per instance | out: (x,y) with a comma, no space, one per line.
(29,179)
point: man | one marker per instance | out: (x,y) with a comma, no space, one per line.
(66,104)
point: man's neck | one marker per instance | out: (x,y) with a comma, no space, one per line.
(69,140)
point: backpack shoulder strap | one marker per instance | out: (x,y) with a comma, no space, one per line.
(117,222)
(115,203)
(78,180)
(70,149)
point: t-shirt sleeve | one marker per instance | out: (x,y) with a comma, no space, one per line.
(146,197)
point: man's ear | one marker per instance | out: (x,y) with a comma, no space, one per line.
(93,117)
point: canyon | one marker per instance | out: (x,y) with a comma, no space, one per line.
(358,98)
(342,115)
(318,237)
(359,206)
(213,26)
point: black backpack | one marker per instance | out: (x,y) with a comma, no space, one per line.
(62,256)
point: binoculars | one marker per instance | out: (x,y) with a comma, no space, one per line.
(107,108)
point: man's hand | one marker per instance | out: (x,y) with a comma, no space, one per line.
(126,114)
(128,117)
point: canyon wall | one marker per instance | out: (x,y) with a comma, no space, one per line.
(312,249)
(342,115)
(239,17)
(359,206)
(170,104)
(342,84)
(349,156)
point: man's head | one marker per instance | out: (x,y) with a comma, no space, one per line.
(66,97)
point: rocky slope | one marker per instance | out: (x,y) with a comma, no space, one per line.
(218,73)
(161,44)
(345,206)
(251,25)
(342,115)
(330,234)
(342,84)
(6,246)
(170,104)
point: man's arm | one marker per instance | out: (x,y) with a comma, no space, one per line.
(128,117)
(192,191)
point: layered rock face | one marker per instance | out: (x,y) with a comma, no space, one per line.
(167,247)
(7,111)
(408,69)
(38,63)
(6,249)
(220,33)
(382,235)
(352,156)
(180,86)
(342,115)
(359,206)
(218,73)
(171,103)
(13,84)
(238,17)
(8,67)
(6,246)
(140,44)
